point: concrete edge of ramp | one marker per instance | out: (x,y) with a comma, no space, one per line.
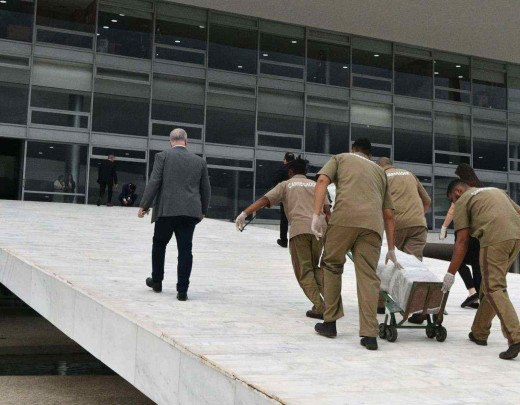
(164,370)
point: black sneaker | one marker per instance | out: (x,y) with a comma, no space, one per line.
(311,314)
(369,342)
(98,203)
(477,341)
(470,300)
(327,329)
(417,319)
(157,287)
(474,305)
(282,243)
(510,353)
(110,204)
(182,296)
(380,310)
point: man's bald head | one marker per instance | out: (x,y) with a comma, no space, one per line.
(384,162)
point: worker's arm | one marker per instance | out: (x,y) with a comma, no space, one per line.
(388,216)
(459,250)
(449,216)
(262,202)
(320,192)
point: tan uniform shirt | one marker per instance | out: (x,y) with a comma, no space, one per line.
(361,191)
(489,213)
(297,196)
(408,196)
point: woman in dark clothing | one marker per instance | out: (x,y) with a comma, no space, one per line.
(472,281)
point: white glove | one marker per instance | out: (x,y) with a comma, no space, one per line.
(240,222)
(448,281)
(443,233)
(317,226)
(391,256)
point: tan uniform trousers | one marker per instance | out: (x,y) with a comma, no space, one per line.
(366,248)
(495,261)
(412,240)
(305,254)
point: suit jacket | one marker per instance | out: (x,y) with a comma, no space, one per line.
(107,172)
(180,185)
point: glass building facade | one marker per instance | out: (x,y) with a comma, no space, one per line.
(82,79)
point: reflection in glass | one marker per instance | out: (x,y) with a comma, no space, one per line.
(233,49)
(281,56)
(450,159)
(452,81)
(69,23)
(374,122)
(513,91)
(328,64)
(73,107)
(265,181)
(372,70)
(231,191)
(514,146)
(489,145)
(489,89)
(442,204)
(55,172)
(413,136)
(124,32)
(325,137)
(127,172)
(16,20)
(452,132)
(179,41)
(413,77)
(14,93)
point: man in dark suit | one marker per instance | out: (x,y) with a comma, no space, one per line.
(107,178)
(180,186)
(282,174)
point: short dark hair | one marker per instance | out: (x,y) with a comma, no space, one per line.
(132,187)
(289,157)
(298,165)
(364,145)
(453,184)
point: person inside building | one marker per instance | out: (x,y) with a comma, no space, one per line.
(491,216)
(297,197)
(59,187)
(362,210)
(107,179)
(128,196)
(472,278)
(70,187)
(282,174)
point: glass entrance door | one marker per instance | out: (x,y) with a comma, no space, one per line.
(11,151)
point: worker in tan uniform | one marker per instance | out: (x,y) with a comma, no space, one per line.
(489,215)
(362,210)
(410,201)
(297,197)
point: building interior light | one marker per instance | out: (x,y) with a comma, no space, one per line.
(177,41)
(345,67)
(481,157)
(457,66)
(240,66)
(114,21)
(127,154)
(51,147)
(3,1)
(376,55)
(265,55)
(122,15)
(294,42)
(436,73)
(40,153)
(202,26)
(461,77)
(106,27)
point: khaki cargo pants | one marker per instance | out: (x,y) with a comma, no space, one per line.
(366,248)
(495,261)
(305,252)
(412,240)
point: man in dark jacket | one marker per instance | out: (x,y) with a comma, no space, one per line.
(180,186)
(128,196)
(107,178)
(282,174)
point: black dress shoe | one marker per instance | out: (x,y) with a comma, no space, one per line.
(417,319)
(474,305)
(182,296)
(477,341)
(311,314)
(470,300)
(157,287)
(510,353)
(327,329)
(98,203)
(282,243)
(369,342)
(380,310)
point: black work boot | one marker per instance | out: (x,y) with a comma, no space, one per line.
(369,342)
(477,341)
(417,319)
(157,287)
(182,296)
(510,353)
(327,329)
(312,314)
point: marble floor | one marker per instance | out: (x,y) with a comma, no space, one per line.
(246,314)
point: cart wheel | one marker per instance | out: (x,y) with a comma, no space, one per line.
(382,331)
(391,333)
(441,333)
(430,331)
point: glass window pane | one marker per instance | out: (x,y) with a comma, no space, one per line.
(413,77)
(452,75)
(373,84)
(233,49)
(122,153)
(489,89)
(514,146)
(326,137)
(14,94)
(513,103)
(16,18)
(413,136)
(489,145)
(442,204)
(448,159)
(124,32)
(452,132)
(55,172)
(281,56)
(452,95)
(373,64)
(231,192)
(77,16)
(514,192)
(60,99)
(182,42)
(265,177)
(372,121)
(328,63)
(127,172)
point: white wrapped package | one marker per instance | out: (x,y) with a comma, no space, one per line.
(398,283)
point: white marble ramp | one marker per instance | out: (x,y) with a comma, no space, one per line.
(242,338)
